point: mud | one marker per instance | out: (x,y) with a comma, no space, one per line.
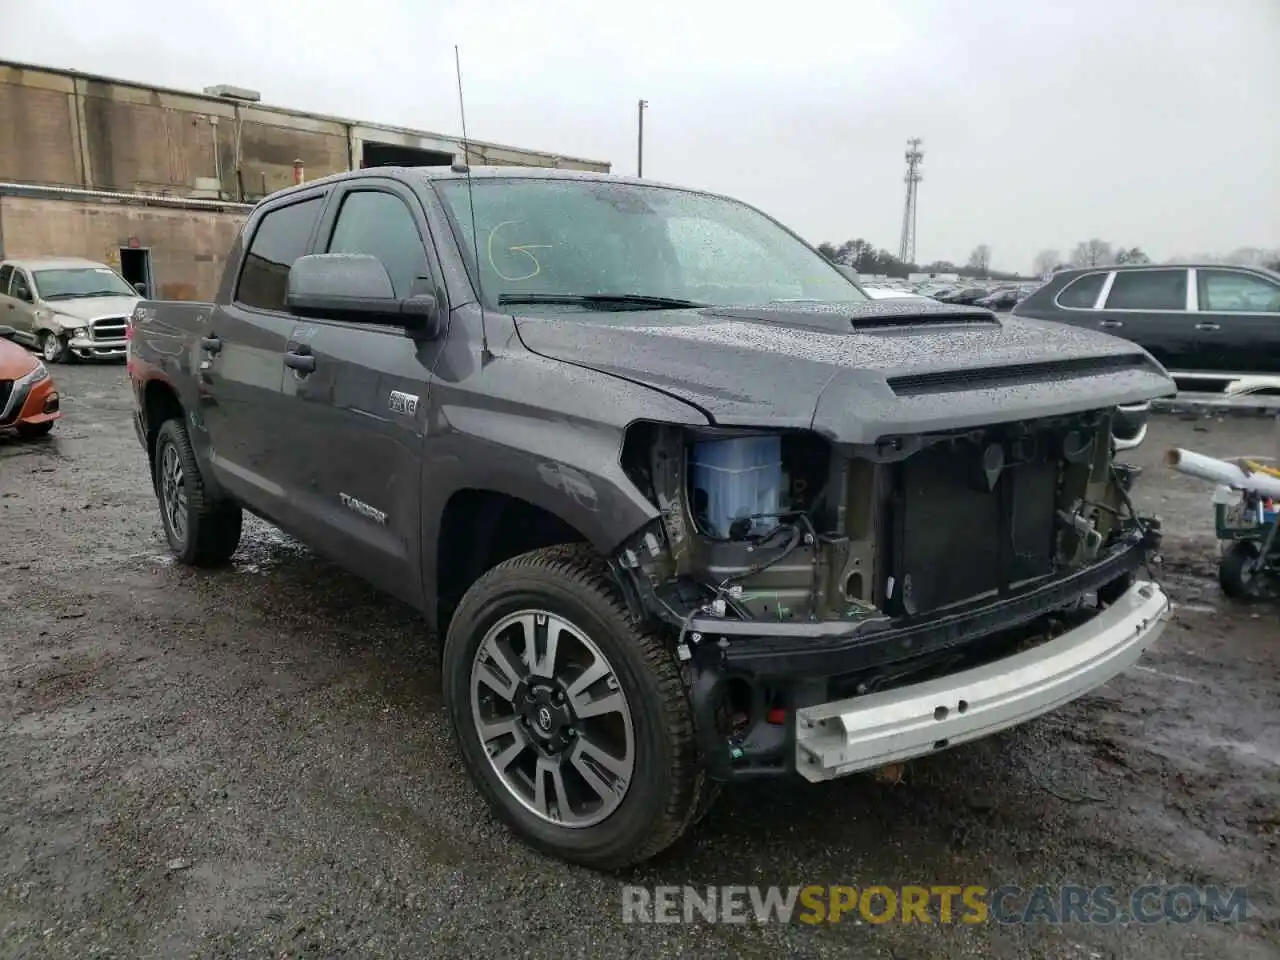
(254,762)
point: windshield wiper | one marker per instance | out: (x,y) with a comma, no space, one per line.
(624,300)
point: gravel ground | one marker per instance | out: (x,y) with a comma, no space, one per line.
(255,761)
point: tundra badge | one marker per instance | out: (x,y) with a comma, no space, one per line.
(362,508)
(403,402)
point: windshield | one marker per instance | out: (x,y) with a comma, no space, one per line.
(604,239)
(65,283)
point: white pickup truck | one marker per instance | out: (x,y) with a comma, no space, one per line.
(66,307)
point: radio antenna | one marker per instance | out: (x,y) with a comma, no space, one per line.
(465,167)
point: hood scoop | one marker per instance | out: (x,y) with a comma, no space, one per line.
(949,381)
(850,317)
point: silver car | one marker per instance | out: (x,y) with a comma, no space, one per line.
(66,307)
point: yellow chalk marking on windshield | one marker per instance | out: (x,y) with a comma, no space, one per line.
(523,248)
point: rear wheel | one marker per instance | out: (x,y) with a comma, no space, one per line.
(572,719)
(54,348)
(201,530)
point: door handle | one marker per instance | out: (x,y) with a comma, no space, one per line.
(1111,323)
(304,363)
(1208,326)
(211,344)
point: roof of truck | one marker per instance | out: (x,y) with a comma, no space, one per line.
(482,173)
(51,263)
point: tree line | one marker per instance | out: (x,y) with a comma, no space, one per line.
(867,259)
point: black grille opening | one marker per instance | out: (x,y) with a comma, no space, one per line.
(952,538)
(6,391)
(948,381)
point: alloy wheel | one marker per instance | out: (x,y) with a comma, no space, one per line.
(552,718)
(173,492)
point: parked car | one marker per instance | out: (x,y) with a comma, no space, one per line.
(1002,299)
(684,513)
(66,307)
(963,295)
(1209,324)
(28,398)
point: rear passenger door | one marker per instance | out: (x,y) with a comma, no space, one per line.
(361,413)
(240,349)
(1151,307)
(1239,312)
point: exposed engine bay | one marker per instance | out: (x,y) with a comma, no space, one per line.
(792,569)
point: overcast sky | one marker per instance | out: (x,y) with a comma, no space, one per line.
(1145,122)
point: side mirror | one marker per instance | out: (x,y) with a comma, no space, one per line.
(141,288)
(356,286)
(849,272)
(7,333)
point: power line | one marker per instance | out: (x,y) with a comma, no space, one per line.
(907,248)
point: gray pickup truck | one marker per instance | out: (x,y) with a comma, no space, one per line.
(686,506)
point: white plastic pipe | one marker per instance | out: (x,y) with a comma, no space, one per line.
(1222,471)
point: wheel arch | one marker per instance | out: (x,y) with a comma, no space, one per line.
(479,526)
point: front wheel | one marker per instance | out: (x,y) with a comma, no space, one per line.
(572,719)
(1237,571)
(201,530)
(54,348)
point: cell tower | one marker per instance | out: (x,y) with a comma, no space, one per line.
(907,249)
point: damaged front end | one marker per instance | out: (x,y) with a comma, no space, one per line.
(816,591)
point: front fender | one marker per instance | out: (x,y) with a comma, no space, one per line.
(544,433)
(57,324)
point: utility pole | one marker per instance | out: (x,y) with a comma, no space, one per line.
(640,138)
(907,248)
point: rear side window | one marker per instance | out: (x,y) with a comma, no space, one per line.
(1148,290)
(5,273)
(380,225)
(282,237)
(1082,292)
(1227,291)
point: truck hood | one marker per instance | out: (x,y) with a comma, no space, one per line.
(91,308)
(855,372)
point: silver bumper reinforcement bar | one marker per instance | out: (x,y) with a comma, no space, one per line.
(863,733)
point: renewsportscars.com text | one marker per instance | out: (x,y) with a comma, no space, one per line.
(938,904)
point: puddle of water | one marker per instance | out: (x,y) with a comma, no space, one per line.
(1247,749)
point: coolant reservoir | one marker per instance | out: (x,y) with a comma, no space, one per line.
(738,478)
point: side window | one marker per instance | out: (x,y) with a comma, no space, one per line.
(5,273)
(1227,291)
(281,238)
(380,225)
(21,288)
(1082,292)
(1148,290)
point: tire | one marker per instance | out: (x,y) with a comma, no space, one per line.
(54,348)
(30,431)
(202,531)
(665,785)
(1236,575)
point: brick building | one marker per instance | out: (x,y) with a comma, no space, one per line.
(156,182)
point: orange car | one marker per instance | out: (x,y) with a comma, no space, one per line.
(28,400)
